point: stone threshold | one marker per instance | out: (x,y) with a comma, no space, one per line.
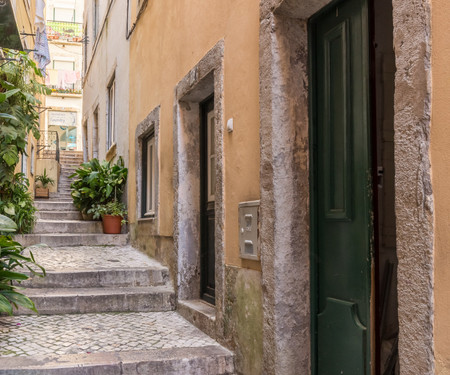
(212,359)
(199,313)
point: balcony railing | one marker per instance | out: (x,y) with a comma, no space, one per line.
(65,31)
(48,145)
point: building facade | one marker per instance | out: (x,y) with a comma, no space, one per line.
(64,105)
(105,80)
(287,161)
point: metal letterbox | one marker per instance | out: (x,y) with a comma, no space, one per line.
(249,230)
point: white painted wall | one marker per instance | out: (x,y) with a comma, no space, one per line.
(107,56)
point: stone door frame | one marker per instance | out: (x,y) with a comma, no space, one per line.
(284,170)
(204,79)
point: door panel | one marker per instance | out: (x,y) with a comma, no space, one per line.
(342,203)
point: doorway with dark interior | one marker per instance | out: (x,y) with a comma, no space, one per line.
(353,284)
(207,200)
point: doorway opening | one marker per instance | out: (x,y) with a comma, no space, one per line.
(382,103)
(207,200)
(353,240)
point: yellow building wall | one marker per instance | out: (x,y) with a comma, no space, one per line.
(169,40)
(25,13)
(440,164)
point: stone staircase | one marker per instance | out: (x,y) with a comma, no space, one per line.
(59,223)
(105,308)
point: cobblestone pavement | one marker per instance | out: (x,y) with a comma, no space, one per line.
(90,257)
(90,333)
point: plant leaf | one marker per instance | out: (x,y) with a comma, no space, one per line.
(19,299)
(5,305)
(13,275)
(7,225)
(8,116)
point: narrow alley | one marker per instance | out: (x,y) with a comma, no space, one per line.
(103,305)
(224,187)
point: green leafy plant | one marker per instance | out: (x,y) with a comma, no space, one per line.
(11,259)
(19,110)
(19,116)
(16,202)
(113,208)
(44,179)
(98,183)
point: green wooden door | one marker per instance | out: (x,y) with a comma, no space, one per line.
(342,203)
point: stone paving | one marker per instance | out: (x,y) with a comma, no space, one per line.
(90,257)
(94,333)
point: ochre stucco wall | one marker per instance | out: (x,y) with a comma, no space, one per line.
(440,164)
(186,31)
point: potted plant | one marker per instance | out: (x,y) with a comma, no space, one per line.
(42,191)
(97,183)
(112,214)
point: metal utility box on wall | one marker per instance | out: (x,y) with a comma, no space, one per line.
(249,230)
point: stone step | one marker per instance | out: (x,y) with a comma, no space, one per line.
(211,360)
(69,169)
(61,194)
(62,199)
(159,343)
(100,278)
(59,215)
(51,205)
(71,163)
(73,239)
(67,226)
(51,301)
(66,176)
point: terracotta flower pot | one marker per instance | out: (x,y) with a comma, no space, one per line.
(112,224)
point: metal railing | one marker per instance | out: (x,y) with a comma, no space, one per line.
(67,31)
(48,145)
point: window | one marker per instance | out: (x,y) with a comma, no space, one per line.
(64,14)
(85,43)
(95,20)
(147,165)
(32,160)
(23,168)
(110,133)
(95,135)
(211,156)
(64,64)
(148,176)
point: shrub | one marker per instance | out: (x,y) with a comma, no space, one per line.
(44,179)
(17,203)
(113,208)
(98,183)
(11,259)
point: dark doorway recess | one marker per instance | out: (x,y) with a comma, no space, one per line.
(207,200)
(353,255)
(382,59)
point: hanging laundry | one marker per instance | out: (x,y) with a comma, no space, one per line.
(52,76)
(61,79)
(39,20)
(71,77)
(41,50)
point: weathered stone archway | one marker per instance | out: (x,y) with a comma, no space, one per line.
(285,213)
